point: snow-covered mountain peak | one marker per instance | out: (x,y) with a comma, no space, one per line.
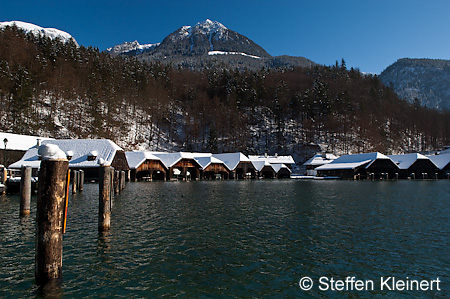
(185,31)
(210,26)
(130,46)
(37,30)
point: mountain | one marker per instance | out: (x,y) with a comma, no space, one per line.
(130,48)
(55,89)
(207,44)
(420,81)
(37,30)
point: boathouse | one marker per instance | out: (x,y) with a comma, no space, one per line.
(145,166)
(316,161)
(281,171)
(14,146)
(268,167)
(360,166)
(239,165)
(415,166)
(275,159)
(264,169)
(442,161)
(180,165)
(212,168)
(83,154)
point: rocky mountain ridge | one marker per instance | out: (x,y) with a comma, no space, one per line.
(130,48)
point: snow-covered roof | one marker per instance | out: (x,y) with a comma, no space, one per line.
(273,159)
(170,159)
(81,150)
(232,160)
(206,161)
(343,165)
(320,159)
(353,161)
(135,159)
(259,164)
(440,160)
(19,142)
(278,167)
(405,161)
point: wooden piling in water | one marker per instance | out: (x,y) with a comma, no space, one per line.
(49,219)
(122,180)
(25,191)
(104,207)
(111,189)
(81,180)
(116,182)
(74,181)
(3,176)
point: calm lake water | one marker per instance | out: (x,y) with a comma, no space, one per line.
(236,239)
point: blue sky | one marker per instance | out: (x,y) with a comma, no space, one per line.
(369,35)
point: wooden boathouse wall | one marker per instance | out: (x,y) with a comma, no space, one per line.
(444,173)
(267,172)
(213,169)
(243,168)
(120,161)
(185,165)
(152,169)
(381,169)
(283,173)
(420,169)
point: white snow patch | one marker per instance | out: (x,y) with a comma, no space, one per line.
(51,152)
(102,162)
(232,53)
(37,30)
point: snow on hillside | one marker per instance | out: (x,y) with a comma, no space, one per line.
(37,30)
(232,53)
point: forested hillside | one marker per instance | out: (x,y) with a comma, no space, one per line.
(59,90)
(422,81)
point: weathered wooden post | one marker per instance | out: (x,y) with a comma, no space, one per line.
(122,180)
(81,181)
(74,181)
(115,181)
(3,175)
(50,213)
(104,207)
(111,189)
(25,191)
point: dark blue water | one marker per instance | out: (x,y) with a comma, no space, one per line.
(235,239)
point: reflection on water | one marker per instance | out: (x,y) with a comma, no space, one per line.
(238,239)
(52,290)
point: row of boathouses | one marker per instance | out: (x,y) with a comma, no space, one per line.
(195,166)
(89,154)
(379,166)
